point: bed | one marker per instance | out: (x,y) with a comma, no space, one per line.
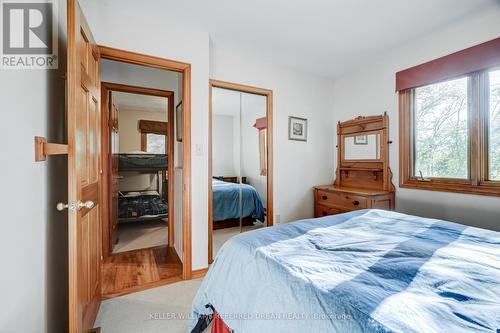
(226,202)
(141,161)
(363,271)
(141,206)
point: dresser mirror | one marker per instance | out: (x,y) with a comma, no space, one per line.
(363,153)
(363,178)
(362,147)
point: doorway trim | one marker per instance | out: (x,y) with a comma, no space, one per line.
(185,69)
(269,116)
(106,87)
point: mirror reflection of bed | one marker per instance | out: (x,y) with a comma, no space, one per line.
(239,164)
(142,197)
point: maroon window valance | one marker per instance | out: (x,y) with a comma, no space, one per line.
(261,123)
(472,59)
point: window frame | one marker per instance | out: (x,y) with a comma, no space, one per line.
(478,181)
(144,141)
(152,127)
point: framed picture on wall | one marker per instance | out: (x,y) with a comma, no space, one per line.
(178,121)
(297,128)
(361,140)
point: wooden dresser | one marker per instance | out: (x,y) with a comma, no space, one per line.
(330,200)
(363,177)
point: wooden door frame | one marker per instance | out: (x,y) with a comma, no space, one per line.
(106,87)
(269,115)
(185,69)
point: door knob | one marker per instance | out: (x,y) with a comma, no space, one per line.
(87,204)
(75,206)
(61,206)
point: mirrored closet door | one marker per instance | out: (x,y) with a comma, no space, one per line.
(239,163)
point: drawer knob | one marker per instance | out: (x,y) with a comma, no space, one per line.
(355,203)
(324,213)
(324,197)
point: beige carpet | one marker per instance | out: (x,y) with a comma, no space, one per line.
(159,310)
(222,235)
(141,235)
(163,309)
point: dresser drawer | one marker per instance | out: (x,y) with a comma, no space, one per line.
(320,211)
(341,200)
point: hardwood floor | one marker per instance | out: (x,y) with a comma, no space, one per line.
(132,271)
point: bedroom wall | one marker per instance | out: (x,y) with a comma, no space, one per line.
(370,90)
(128,126)
(298,166)
(237,143)
(222,145)
(150,33)
(252,108)
(34,234)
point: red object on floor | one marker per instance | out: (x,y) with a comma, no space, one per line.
(218,325)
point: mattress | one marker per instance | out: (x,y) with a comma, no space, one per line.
(141,204)
(226,201)
(363,271)
(138,162)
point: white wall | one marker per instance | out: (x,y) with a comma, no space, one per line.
(148,32)
(252,108)
(370,90)
(34,234)
(222,145)
(298,166)
(128,127)
(237,143)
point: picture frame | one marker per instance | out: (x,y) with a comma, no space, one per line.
(361,139)
(178,122)
(297,128)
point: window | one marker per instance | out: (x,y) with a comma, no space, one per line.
(494,125)
(449,114)
(155,143)
(441,133)
(153,136)
(450,134)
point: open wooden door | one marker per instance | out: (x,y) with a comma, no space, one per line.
(84,173)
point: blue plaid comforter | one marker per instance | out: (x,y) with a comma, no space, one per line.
(364,271)
(226,201)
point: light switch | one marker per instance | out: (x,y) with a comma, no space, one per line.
(199,149)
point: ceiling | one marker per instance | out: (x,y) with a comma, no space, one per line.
(327,37)
(139,102)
